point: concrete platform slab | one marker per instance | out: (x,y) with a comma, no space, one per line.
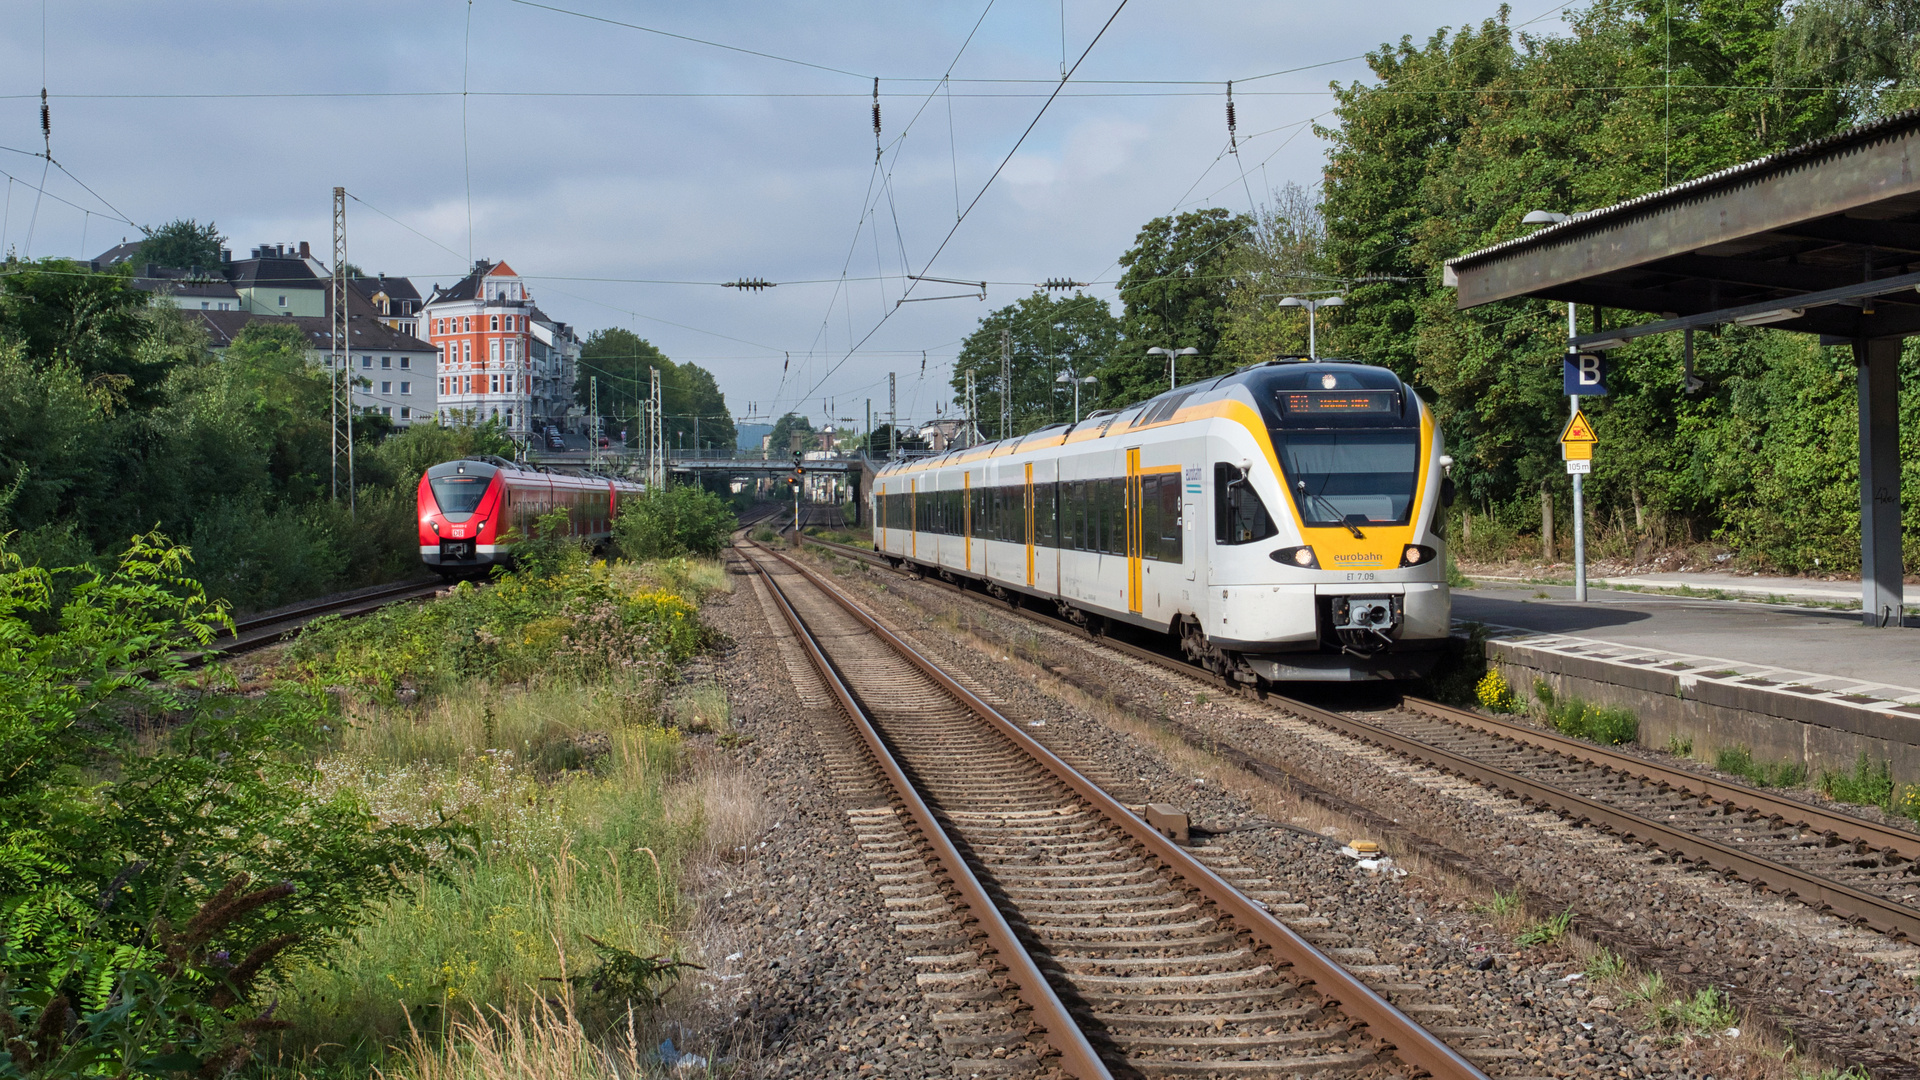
(1808,685)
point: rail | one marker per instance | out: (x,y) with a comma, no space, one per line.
(1842,832)
(1415,1046)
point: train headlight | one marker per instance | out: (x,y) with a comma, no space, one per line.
(1302,557)
(1416,555)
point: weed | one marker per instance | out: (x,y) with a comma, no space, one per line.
(1200,699)
(1679,747)
(1545,933)
(1738,760)
(1606,725)
(700,708)
(1852,1072)
(1606,964)
(1866,785)
(1652,985)
(621,978)
(1539,595)
(1504,905)
(764,535)
(1707,1011)
(1495,695)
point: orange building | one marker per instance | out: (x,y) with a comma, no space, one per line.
(483,329)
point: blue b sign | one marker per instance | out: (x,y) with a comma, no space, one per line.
(1585,374)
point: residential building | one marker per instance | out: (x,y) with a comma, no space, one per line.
(394,301)
(189,290)
(395,375)
(486,329)
(279,280)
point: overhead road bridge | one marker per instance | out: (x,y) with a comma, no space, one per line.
(1820,239)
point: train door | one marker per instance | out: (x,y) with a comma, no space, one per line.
(966,513)
(880,513)
(1131,509)
(1027,499)
(913,517)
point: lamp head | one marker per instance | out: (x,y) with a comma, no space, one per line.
(1188,351)
(1544,217)
(1292,301)
(1064,377)
(1158,351)
(1089,380)
(1334,301)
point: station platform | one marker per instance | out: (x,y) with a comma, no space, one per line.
(1790,683)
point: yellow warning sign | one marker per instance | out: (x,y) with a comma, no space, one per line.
(1578,440)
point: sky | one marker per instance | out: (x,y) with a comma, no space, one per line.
(626,158)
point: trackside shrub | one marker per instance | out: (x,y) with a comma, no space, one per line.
(674,522)
(163,857)
(585,620)
(1605,725)
(1495,695)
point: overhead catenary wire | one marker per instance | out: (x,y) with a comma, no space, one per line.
(984,187)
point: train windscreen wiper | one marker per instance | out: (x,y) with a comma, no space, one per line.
(1340,519)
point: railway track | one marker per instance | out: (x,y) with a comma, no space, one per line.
(1854,868)
(1133,954)
(262,630)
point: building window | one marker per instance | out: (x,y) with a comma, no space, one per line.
(386,361)
(443,386)
(495,382)
(510,352)
(386,387)
(406,413)
(406,387)
(386,410)
(509,384)
(466,351)
(468,320)
(493,351)
(283,301)
(366,362)
(466,384)
(205,305)
(495,322)
(223,306)
(406,363)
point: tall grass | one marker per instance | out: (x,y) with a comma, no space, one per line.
(584,816)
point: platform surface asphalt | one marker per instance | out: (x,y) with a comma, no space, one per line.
(1813,643)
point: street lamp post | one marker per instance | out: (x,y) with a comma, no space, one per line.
(1313,350)
(1548,217)
(1173,357)
(1068,376)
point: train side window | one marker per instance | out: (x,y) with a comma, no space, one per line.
(1170,522)
(1239,517)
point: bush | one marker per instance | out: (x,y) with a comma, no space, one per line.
(544,622)
(1866,785)
(675,522)
(1495,695)
(1584,720)
(163,853)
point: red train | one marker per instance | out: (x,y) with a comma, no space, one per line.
(468,508)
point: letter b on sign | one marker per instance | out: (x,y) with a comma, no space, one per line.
(1585,374)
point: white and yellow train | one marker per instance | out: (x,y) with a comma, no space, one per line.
(1284,522)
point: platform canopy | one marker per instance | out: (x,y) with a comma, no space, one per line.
(1823,238)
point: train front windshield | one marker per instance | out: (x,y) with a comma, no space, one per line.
(1351,476)
(459,495)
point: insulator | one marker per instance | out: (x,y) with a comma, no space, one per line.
(46,116)
(876,106)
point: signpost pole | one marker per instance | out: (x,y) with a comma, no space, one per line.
(1579,501)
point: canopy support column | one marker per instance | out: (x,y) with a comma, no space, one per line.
(1880,562)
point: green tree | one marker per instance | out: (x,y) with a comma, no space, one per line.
(785,428)
(693,411)
(182,244)
(681,520)
(879,442)
(1283,255)
(1046,338)
(61,313)
(1175,287)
